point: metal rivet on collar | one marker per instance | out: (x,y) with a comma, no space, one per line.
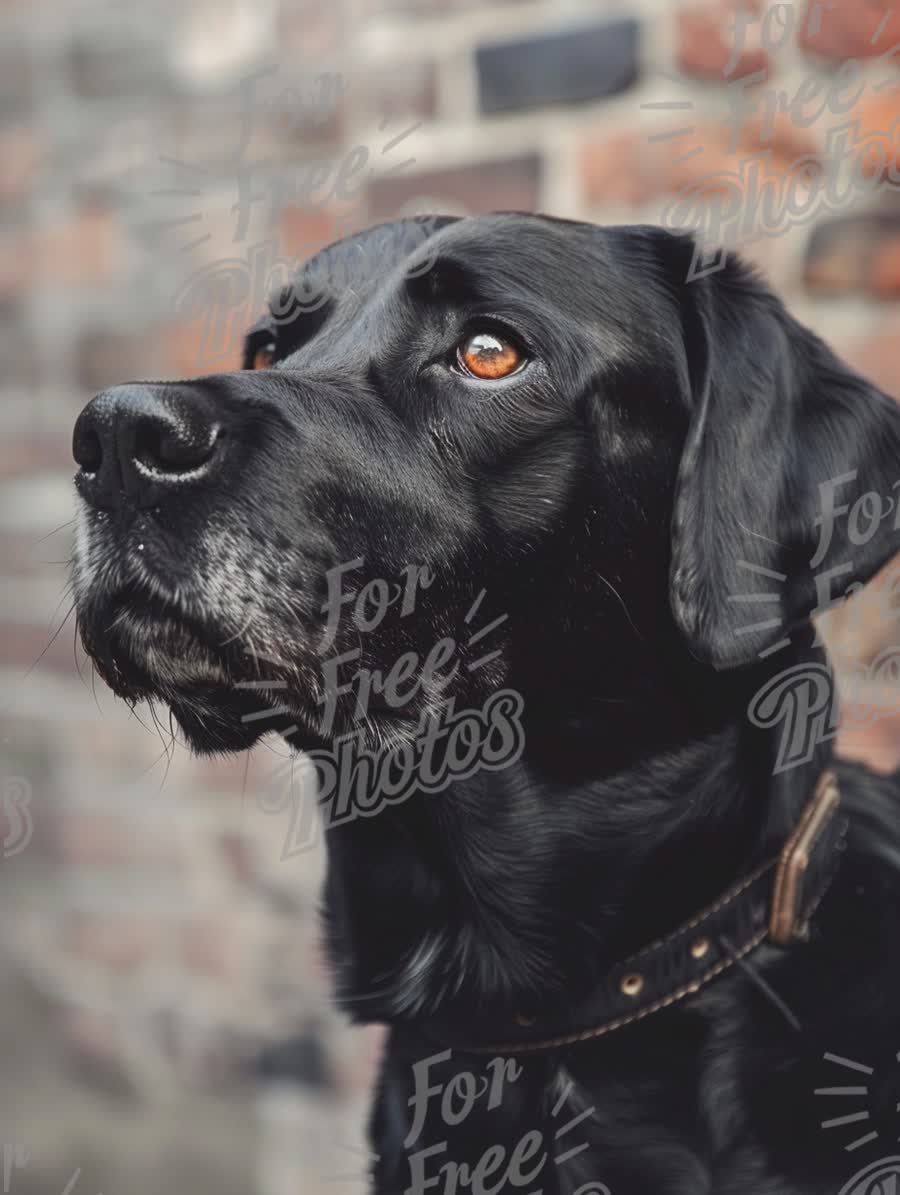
(700,948)
(633,984)
(682,963)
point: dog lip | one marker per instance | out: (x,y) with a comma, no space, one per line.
(140,641)
(141,633)
(138,601)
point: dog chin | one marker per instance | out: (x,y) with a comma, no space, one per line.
(223,695)
(213,720)
(146,654)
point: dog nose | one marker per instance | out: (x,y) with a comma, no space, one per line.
(139,443)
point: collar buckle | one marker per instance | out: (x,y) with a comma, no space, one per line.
(786,922)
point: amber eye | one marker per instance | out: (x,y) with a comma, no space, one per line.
(263,357)
(487,355)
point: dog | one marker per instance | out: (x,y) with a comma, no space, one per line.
(517,531)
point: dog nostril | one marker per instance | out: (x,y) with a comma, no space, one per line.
(136,441)
(164,448)
(87,450)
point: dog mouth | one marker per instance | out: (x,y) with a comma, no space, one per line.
(141,642)
(224,694)
(226,691)
(233,663)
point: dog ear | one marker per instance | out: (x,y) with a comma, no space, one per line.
(789,482)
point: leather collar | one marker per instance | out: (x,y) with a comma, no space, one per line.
(773,904)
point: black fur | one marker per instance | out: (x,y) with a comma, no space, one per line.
(604,497)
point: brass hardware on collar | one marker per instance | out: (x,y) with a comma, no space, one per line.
(633,984)
(793,863)
(700,948)
(750,913)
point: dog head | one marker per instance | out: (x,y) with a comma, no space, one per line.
(462,454)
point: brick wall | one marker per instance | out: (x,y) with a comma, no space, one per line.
(158,162)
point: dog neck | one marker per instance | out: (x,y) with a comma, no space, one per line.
(511,890)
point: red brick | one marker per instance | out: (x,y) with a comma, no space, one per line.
(15,265)
(626,167)
(403,91)
(29,552)
(857,253)
(94,1038)
(320,964)
(512,184)
(25,646)
(87,249)
(105,358)
(418,8)
(122,945)
(311,115)
(209,948)
(357,1070)
(869,622)
(17,77)
(872,735)
(19,352)
(614,168)
(224,774)
(878,356)
(109,68)
(23,156)
(189,349)
(310,30)
(885,277)
(878,115)
(304,231)
(106,745)
(282,117)
(845,28)
(226,295)
(84,249)
(30,454)
(705,39)
(239,857)
(97,839)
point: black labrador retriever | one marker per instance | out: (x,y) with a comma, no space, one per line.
(517,531)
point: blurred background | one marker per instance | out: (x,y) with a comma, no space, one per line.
(164,1022)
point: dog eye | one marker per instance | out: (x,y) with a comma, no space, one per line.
(488,355)
(264,356)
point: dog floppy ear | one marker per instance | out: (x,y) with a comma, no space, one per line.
(789,481)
